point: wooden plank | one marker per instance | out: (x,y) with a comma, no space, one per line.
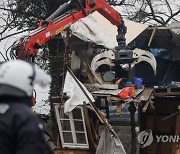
(176,146)
(107,92)
(119,109)
(164,27)
(73,60)
(166,91)
(147,103)
(146,96)
(106,86)
(152,35)
(90,73)
(93,145)
(145,106)
(167,94)
(69,151)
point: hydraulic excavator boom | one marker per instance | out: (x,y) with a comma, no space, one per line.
(67,14)
(61,19)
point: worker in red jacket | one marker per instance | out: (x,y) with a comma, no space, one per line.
(21,131)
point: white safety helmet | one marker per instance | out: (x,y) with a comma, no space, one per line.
(18,77)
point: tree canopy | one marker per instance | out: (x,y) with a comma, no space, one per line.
(161,12)
(24,15)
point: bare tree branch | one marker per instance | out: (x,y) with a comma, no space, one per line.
(169,7)
(25,30)
(173,15)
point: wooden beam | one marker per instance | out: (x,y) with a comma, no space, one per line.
(147,103)
(176,145)
(152,35)
(90,73)
(69,151)
(73,60)
(93,145)
(164,27)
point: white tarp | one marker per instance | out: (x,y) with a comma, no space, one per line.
(72,90)
(109,144)
(89,30)
(96,28)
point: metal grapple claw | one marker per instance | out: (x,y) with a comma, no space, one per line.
(135,57)
(102,58)
(143,55)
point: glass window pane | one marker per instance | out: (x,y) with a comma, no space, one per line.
(65,124)
(79,126)
(67,137)
(77,113)
(81,138)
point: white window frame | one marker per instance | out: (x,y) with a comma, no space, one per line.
(74,144)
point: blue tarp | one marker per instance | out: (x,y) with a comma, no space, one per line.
(161,53)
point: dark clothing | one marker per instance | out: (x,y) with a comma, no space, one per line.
(20,129)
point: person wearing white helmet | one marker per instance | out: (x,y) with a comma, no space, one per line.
(21,131)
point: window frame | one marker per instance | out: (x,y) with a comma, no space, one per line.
(70,118)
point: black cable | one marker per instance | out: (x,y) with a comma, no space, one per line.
(12,54)
(7,52)
(11,50)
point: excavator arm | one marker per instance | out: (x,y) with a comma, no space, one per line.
(61,19)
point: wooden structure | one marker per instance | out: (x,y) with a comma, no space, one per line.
(163,120)
(74,151)
(158,108)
